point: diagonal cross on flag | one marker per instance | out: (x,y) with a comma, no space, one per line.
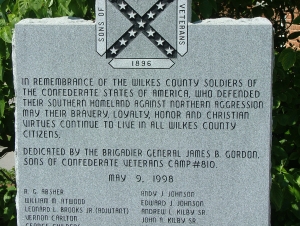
(141,24)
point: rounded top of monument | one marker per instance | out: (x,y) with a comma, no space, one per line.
(230,21)
(57,21)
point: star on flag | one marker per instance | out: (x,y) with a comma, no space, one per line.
(132,33)
(122,5)
(150,32)
(141,24)
(151,15)
(113,50)
(132,15)
(160,6)
(160,41)
(123,42)
(169,50)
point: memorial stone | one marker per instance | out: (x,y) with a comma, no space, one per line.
(142,118)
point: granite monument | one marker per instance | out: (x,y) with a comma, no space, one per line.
(143,118)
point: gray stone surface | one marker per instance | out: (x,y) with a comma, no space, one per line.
(8,161)
(76,182)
